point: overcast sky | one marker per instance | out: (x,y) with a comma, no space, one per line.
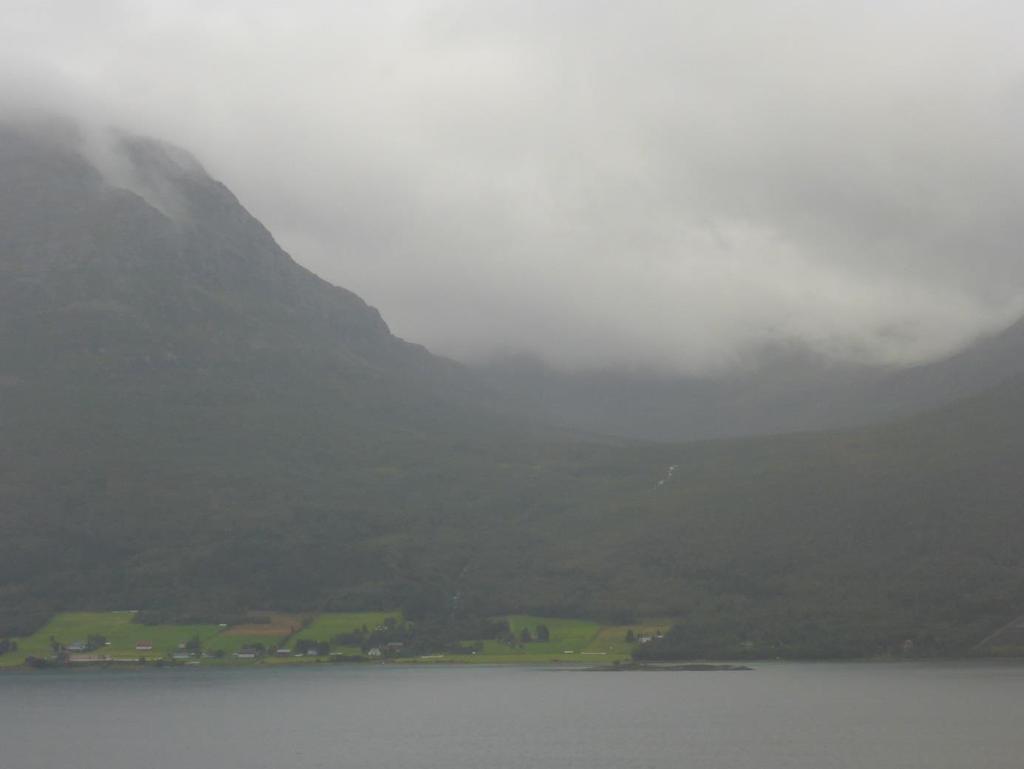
(669,183)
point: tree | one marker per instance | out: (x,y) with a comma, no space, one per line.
(543,634)
(524,635)
(630,636)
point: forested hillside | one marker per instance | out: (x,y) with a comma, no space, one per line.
(191,419)
(192,422)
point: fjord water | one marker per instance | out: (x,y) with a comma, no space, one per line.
(797,716)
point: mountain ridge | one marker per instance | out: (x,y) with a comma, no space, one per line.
(787,389)
(191,422)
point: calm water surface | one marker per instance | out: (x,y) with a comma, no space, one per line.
(804,716)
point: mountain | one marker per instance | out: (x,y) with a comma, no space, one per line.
(192,422)
(148,265)
(172,383)
(838,542)
(783,388)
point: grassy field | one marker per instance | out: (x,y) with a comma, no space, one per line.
(328,625)
(119,630)
(570,640)
(231,643)
(611,639)
(567,637)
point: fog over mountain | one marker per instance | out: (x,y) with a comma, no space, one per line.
(193,424)
(666,185)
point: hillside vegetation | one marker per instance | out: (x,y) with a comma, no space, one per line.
(118,638)
(192,423)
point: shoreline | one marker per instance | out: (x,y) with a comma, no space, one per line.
(568,665)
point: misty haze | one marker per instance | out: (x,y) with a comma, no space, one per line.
(419,363)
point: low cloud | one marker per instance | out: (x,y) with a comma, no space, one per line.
(656,184)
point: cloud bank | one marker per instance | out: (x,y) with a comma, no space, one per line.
(669,184)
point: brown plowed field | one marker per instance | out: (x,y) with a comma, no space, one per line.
(280,625)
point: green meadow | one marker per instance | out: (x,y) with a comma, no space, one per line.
(570,640)
(611,641)
(568,637)
(231,643)
(328,625)
(119,630)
